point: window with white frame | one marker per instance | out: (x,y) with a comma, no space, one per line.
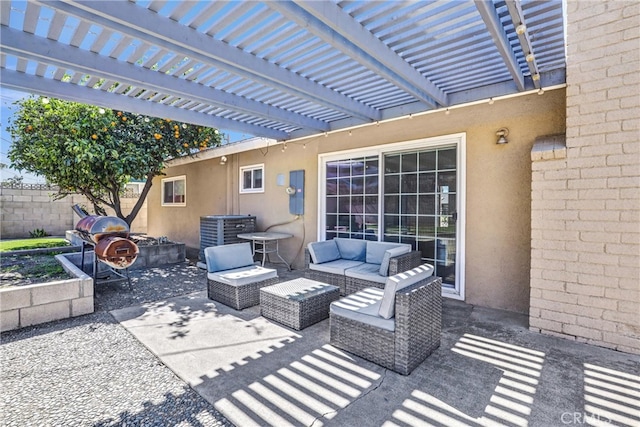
(174,191)
(252,179)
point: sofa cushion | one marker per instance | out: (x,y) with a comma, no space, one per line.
(323,251)
(243,275)
(336,267)
(228,257)
(363,307)
(376,250)
(352,249)
(398,282)
(366,272)
(392,253)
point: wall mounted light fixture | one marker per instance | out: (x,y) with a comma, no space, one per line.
(502,134)
(223,160)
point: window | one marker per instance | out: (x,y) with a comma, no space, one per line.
(252,179)
(174,191)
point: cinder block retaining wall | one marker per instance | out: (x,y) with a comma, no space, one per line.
(585,207)
(40,303)
(31,207)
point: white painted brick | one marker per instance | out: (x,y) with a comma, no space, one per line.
(545,324)
(585,279)
(580,267)
(599,172)
(598,215)
(44,313)
(9,320)
(580,331)
(632,343)
(55,291)
(559,296)
(604,259)
(592,247)
(629,306)
(580,310)
(558,316)
(12,298)
(598,302)
(577,289)
(82,306)
(597,324)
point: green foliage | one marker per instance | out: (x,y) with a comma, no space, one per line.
(38,232)
(37,243)
(94,151)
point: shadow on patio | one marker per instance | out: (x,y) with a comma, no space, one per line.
(490,369)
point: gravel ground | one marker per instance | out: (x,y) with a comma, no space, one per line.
(89,371)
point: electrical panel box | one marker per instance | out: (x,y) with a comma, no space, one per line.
(296,192)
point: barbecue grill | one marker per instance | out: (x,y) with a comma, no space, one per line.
(108,236)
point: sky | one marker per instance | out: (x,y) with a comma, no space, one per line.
(8,97)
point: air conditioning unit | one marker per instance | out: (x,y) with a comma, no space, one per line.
(216,230)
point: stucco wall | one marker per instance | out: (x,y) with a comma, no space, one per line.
(585,275)
(498,179)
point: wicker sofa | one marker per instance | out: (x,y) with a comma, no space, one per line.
(398,327)
(232,276)
(353,264)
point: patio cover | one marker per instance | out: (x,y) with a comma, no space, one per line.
(281,70)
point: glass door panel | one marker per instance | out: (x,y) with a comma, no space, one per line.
(420,206)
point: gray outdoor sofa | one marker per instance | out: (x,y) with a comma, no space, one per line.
(353,264)
(397,327)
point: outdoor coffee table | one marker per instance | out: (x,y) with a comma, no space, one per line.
(297,303)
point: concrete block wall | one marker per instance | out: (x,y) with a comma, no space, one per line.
(585,243)
(29,208)
(23,306)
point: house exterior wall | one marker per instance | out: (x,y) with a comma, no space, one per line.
(498,181)
(585,261)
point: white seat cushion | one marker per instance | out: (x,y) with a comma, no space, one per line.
(243,275)
(366,272)
(363,307)
(398,282)
(336,267)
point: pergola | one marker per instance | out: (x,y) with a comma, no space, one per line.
(281,69)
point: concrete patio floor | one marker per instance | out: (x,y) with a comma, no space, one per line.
(489,370)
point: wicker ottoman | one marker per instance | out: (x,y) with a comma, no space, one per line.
(297,303)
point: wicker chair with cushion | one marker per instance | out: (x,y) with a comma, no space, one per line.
(398,327)
(233,278)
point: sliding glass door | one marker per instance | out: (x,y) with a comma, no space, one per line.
(408,193)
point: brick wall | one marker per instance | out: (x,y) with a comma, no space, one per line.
(32,207)
(585,259)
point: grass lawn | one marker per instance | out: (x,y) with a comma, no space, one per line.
(40,242)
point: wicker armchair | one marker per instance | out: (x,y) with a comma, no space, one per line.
(233,279)
(417,327)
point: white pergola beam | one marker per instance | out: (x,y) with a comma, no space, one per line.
(138,22)
(328,21)
(56,89)
(28,46)
(496,30)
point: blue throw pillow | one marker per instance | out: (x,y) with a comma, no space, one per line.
(323,251)
(352,249)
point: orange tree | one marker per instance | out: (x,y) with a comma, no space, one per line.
(95,152)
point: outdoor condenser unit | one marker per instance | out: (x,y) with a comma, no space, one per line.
(216,230)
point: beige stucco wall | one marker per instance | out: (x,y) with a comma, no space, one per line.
(498,180)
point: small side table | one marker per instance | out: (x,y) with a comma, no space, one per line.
(297,303)
(265,243)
